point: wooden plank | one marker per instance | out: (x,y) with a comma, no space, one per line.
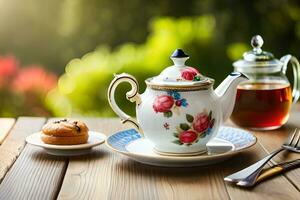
(35,174)
(275,188)
(293,175)
(279,187)
(5,126)
(294,122)
(84,176)
(15,141)
(107,175)
(272,140)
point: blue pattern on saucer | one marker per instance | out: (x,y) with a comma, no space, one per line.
(121,139)
(238,137)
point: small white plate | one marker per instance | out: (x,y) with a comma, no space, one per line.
(95,138)
(228,142)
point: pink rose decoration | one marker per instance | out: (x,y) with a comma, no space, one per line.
(189,73)
(201,122)
(163,103)
(187,137)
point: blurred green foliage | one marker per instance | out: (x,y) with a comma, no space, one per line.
(51,33)
(82,89)
(137,37)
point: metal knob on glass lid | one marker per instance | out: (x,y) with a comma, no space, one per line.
(256,43)
(257,60)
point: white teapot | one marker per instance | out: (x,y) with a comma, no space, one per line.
(179,112)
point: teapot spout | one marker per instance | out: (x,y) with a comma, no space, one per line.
(226,92)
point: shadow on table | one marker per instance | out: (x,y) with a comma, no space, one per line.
(96,154)
(235,163)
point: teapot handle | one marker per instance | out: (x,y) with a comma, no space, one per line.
(296,71)
(131,95)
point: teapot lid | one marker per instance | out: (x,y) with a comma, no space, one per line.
(179,76)
(257,60)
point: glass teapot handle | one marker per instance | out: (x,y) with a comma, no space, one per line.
(296,71)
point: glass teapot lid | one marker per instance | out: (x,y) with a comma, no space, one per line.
(257,60)
(179,76)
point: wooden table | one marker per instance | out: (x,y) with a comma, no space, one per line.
(27,172)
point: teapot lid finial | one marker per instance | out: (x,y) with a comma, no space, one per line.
(179,53)
(256,43)
(257,60)
(179,75)
(257,54)
(179,57)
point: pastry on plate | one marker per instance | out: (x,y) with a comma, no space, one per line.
(65,132)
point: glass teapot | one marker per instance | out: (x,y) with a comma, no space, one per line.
(264,102)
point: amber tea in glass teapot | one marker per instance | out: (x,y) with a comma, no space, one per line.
(264,102)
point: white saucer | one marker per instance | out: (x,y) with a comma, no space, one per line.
(228,142)
(95,138)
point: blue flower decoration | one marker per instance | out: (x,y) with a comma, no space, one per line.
(170,93)
(176,95)
(184,103)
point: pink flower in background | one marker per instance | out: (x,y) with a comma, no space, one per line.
(35,79)
(163,103)
(201,122)
(189,73)
(24,88)
(8,68)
